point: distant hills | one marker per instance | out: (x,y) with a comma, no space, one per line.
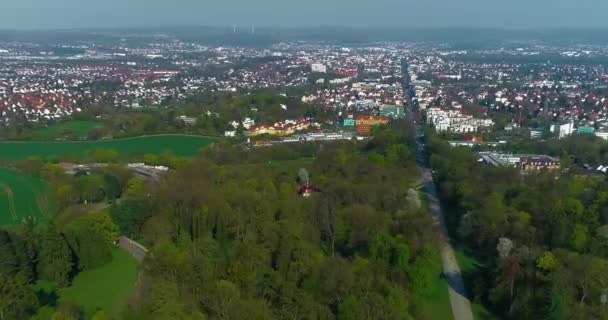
(265,36)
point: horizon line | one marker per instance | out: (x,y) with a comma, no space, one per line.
(275,27)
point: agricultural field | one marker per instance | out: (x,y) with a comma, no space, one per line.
(180,145)
(72,129)
(23,196)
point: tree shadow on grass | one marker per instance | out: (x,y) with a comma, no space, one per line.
(456,282)
(47,297)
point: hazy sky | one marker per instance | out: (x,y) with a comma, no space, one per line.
(43,14)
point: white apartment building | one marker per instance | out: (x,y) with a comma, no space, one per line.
(563,130)
(455,121)
(601,134)
(318,67)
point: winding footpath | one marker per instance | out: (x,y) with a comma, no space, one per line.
(136,250)
(133,248)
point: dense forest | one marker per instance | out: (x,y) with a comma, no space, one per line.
(235,241)
(232,235)
(543,237)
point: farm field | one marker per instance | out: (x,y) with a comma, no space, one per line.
(180,145)
(106,288)
(65,129)
(21,196)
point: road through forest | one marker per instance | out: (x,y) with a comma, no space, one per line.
(461,306)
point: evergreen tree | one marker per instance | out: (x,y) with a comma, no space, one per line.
(56,259)
(29,249)
(8,259)
(91,248)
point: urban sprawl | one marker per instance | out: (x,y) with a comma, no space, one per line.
(473,100)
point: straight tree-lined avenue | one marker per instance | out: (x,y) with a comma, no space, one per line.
(461,306)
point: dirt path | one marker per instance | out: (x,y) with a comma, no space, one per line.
(11,200)
(461,306)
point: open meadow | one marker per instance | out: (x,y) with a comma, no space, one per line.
(66,129)
(105,288)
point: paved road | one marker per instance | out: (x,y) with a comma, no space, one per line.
(133,248)
(461,306)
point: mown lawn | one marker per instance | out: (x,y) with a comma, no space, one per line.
(180,145)
(106,288)
(21,196)
(63,130)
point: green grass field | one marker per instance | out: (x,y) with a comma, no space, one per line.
(106,288)
(437,306)
(64,129)
(469,266)
(180,145)
(21,196)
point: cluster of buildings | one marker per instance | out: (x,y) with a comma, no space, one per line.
(312,136)
(363,85)
(520,85)
(48,90)
(525,162)
(282,128)
(45,82)
(455,121)
(357,95)
(320,136)
(365,123)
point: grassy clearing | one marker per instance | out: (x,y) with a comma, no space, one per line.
(106,288)
(180,145)
(470,266)
(467,262)
(63,130)
(437,305)
(22,196)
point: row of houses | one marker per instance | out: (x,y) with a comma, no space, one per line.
(525,162)
(282,128)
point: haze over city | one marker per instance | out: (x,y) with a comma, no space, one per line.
(514,14)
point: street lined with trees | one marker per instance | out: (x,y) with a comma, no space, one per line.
(541,237)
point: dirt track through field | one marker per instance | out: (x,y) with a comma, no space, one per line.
(11,200)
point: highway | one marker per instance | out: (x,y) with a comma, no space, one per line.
(460,303)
